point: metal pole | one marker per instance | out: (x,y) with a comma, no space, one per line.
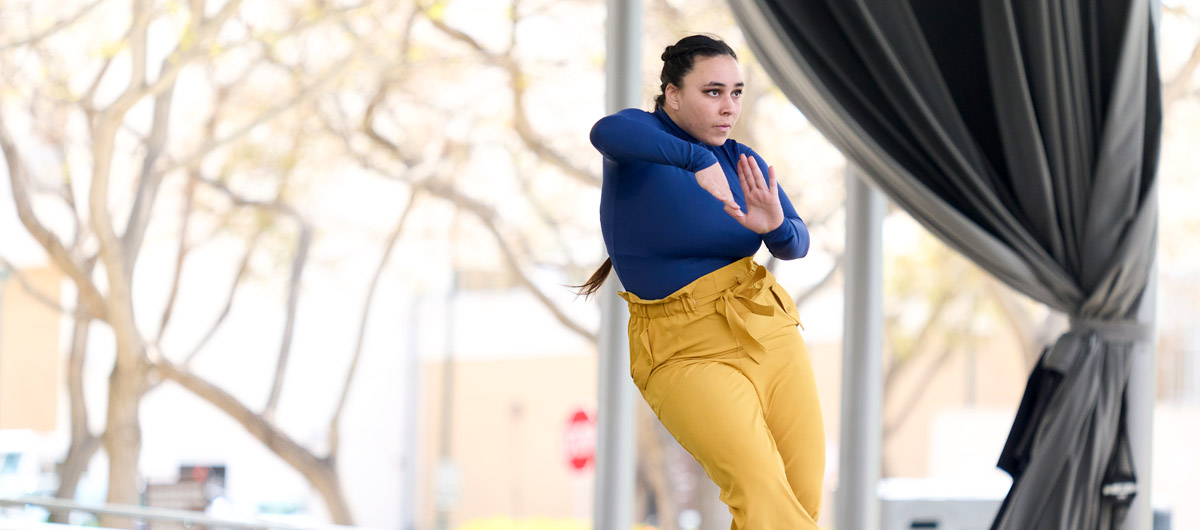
(1139,414)
(612,508)
(447,476)
(183,518)
(1141,392)
(4,273)
(412,415)
(856,505)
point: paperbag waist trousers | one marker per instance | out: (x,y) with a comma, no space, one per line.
(722,364)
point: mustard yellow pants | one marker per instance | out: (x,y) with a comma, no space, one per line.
(721,363)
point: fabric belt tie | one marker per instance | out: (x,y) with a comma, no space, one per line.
(743,295)
(1113,330)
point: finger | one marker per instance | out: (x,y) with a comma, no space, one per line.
(751,181)
(774,184)
(732,208)
(759,180)
(742,179)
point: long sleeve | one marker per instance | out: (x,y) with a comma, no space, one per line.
(790,240)
(633,134)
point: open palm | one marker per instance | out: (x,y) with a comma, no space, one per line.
(763,211)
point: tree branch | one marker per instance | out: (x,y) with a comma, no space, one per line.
(298,263)
(542,212)
(1176,10)
(279,442)
(176,61)
(1178,86)
(90,296)
(488,217)
(890,427)
(1018,321)
(303,96)
(521,125)
(180,257)
(79,412)
(243,268)
(67,191)
(54,28)
(238,200)
(84,444)
(34,292)
(320,472)
(148,184)
(899,365)
(290,324)
(334,424)
(88,101)
(142,13)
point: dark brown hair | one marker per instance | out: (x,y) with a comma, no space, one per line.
(679,58)
(593,284)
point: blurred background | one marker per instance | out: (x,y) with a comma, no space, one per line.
(344,233)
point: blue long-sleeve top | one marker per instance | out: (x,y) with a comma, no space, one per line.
(661,229)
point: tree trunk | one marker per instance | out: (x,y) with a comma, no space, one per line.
(78,457)
(83,444)
(123,438)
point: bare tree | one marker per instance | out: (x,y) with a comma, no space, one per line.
(107,235)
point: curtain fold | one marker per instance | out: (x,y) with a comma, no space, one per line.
(1025,135)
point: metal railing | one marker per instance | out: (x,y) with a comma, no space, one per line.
(144,513)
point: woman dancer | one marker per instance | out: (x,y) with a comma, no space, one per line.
(713,340)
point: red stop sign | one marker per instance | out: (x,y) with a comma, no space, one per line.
(579,440)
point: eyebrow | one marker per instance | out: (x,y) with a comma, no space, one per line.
(722,85)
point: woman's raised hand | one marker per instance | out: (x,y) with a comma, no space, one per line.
(712,179)
(763,211)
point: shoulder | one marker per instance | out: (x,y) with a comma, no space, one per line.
(634,113)
(618,123)
(637,115)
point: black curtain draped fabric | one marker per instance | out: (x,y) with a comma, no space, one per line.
(1024,134)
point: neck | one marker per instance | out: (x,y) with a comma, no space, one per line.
(671,114)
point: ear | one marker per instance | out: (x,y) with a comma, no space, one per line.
(672,94)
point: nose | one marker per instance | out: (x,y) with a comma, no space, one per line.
(728,106)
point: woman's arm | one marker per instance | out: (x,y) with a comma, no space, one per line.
(790,240)
(634,134)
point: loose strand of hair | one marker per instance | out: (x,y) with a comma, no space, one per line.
(595,281)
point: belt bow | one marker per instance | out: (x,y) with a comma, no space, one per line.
(743,295)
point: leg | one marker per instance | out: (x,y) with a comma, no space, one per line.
(715,413)
(793,414)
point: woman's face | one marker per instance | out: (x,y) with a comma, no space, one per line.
(710,100)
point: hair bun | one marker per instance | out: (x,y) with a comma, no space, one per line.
(669,53)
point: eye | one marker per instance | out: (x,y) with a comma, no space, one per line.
(737,93)
(713,91)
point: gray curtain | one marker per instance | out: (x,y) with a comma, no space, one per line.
(1024,134)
